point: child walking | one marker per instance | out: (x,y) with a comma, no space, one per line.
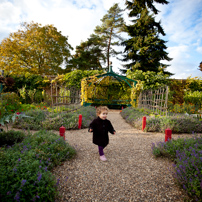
(100,128)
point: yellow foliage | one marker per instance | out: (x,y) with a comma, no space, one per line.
(35,49)
(106,90)
(135,92)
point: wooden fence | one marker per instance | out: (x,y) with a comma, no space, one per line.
(155,100)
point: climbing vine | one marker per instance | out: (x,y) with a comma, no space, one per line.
(135,92)
(106,90)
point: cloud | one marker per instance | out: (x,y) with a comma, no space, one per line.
(9,16)
(182,20)
(181,64)
(199,49)
(73,18)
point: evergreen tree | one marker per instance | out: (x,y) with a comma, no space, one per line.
(144,49)
(93,53)
(136,6)
(200,66)
(112,25)
(89,55)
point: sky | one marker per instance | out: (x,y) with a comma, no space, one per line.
(77,19)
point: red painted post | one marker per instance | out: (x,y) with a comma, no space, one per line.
(80,121)
(143,123)
(168,134)
(62,131)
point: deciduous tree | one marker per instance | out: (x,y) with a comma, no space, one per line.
(36,49)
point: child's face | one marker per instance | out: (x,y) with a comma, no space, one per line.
(103,114)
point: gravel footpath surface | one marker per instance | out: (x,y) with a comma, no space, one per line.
(131,173)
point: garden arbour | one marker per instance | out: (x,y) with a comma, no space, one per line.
(108,89)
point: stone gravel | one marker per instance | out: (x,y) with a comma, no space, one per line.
(131,172)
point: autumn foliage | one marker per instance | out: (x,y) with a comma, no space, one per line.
(35,49)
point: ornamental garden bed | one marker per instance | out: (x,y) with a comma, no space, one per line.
(186,153)
(27,159)
(52,119)
(26,166)
(178,123)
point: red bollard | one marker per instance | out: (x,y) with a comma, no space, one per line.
(168,134)
(62,131)
(143,123)
(80,121)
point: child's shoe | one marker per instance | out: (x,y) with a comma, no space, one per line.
(103,158)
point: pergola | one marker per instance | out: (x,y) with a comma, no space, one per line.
(102,90)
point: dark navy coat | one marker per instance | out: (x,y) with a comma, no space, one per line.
(100,131)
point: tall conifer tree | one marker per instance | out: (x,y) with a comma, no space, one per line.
(144,49)
(112,25)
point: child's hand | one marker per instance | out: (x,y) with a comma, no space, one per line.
(91,130)
(114,132)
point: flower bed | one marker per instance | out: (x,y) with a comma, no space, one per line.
(43,119)
(187,154)
(26,167)
(155,123)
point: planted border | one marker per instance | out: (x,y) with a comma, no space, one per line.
(26,167)
(156,123)
(187,155)
(43,119)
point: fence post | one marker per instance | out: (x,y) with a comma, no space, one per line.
(168,134)
(143,123)
(62,131)
(80,121)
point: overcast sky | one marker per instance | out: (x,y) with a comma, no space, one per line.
(181,20)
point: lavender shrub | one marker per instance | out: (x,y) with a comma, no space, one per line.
(187,155)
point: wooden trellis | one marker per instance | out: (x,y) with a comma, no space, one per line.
(155,100)
(61,95)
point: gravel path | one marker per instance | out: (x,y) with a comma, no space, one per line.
(130,174)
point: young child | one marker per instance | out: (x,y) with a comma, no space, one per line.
(100,128)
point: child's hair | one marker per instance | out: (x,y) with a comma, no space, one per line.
(100,109)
